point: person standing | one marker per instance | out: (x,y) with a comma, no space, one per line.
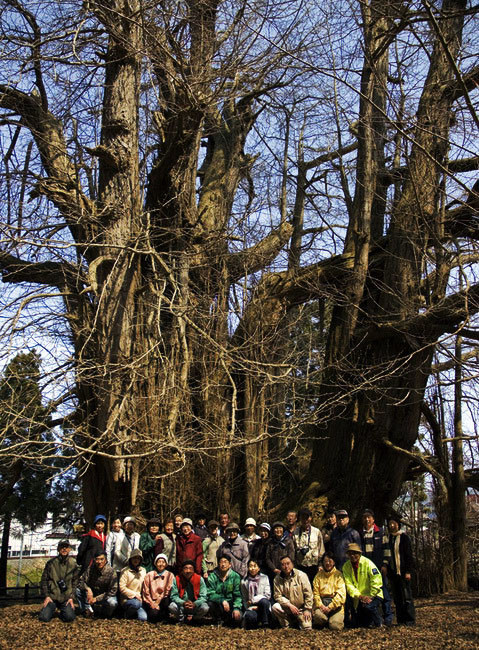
(58,585)
(401,566)
(327,530)
(210,548)
(375,546)
(188,547)
(92,543)
(259,548)
(224,520)
(114,539)
(291,522)
(148,540)
(249,534)
(236,549)
(201,529)
(166,543)
(129,542)
(308,543)
(280,544)
(341,537)
(178,518)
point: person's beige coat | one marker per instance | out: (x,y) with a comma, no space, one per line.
(294,589)
(131,582)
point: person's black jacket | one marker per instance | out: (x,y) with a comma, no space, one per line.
(406,557)
(257,552)
(90,545)
(276,550)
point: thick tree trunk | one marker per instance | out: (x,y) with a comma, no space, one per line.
(379,384)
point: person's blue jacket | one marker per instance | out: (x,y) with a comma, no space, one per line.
(339,542)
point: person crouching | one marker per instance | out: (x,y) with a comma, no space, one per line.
(156,590)
(58,585)
(364,585)
(131,582)
(97,589)
(188,595)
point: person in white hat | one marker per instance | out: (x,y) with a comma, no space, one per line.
(250,535)
(156,590)
(129,542)
(188,546)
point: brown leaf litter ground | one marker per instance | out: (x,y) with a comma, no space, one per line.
(449,621)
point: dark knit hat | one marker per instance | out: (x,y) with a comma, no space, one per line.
(154,521)
(395,517)
(186,562)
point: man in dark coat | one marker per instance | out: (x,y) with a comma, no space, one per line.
(341,537)
(58,584)
(97,589)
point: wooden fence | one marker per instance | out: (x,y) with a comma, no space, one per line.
(28,593)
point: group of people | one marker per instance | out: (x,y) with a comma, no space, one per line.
(287,574)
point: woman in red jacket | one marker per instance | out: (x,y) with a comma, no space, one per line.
(188,547)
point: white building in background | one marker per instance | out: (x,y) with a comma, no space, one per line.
(39,542)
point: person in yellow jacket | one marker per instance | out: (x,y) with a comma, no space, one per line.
(364,585)
(329,595)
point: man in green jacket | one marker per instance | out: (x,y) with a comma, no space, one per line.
(224,593)
(364,585)
(59,581)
